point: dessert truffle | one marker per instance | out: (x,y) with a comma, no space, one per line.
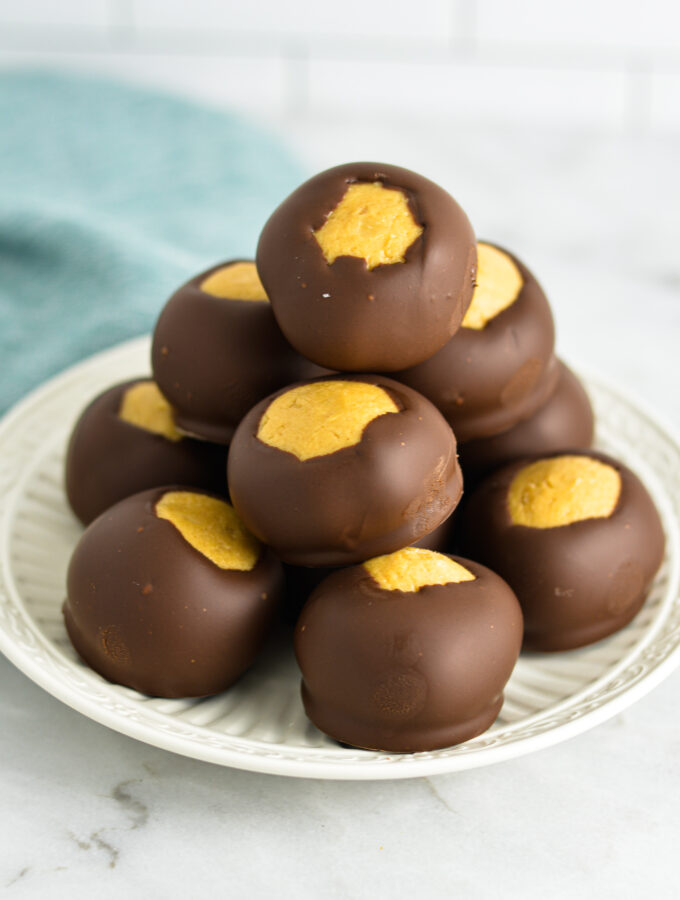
(565,420)
(124,442)
(169,594)
(368,267)
(333,471)
(217,351)
(408,652)
(499,367)
(575,535)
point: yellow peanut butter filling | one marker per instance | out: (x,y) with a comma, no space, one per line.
(323,417)
(413,568)
(212,527)
(238,281)
(499,282)
(372,222)
(143,405)
(565,489)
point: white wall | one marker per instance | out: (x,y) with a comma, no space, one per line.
(593,63)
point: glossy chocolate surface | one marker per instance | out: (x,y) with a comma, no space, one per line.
(407,671)
(109,459)
(300,581)
(576,583)
(439,539)
(147,610)
(565,420)
(395,486)
(347,317)
(485,381)
(215,358)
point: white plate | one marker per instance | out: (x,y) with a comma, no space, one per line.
(259,724)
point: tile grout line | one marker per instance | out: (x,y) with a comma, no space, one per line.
(121,27)
(296,74)
(464,36)
(638,90)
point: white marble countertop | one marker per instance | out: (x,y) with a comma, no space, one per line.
(86,812)
(89,813)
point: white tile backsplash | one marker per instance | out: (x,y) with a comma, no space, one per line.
(249,85)
(431,19)
(625,24)
(64,12)
(468,91)
(603,63)
(665,112)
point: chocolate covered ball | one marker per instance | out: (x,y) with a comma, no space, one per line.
(576,536)
(408,652)
(368,267)
(565,420)
(217,351)
(126,441)
(333,471)
(169,594)
(499,367)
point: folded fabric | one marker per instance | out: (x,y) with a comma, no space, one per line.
(110,197)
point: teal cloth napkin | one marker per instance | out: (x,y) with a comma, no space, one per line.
(110,198)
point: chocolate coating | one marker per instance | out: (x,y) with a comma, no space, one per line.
(214,358)
(565,420)
(147,610)
(485,381)
(439,539)
(347,317)
(407,671)
(300,581)
(108,458)
(395,486)
(576,583)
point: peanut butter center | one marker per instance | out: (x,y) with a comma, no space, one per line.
(238,281)
(565,489)
(212,527)
(413,568)
(499,282)
(143,405)
(372,222)
(323,417)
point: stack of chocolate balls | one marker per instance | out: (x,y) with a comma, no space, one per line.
(297,450)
